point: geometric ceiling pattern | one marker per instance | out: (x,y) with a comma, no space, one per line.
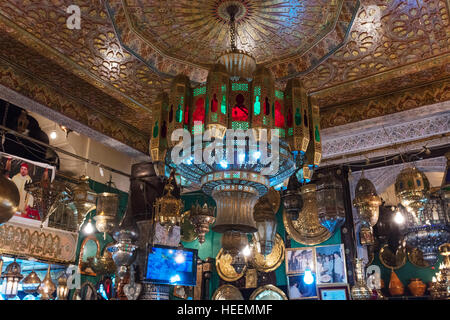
(350,54)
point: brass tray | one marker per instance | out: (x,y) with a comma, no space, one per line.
(227,292)
(271,261)
(302,233)
(415,256)
(271,290)
(224,268)
(391,260)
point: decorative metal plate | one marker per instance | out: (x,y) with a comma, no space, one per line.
(227,292)
(271,261)
(415,256)
(224,268)
(188,233)
(274,199)
(391,260)
(302,233)
(268,292)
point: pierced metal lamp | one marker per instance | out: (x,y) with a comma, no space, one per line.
(84,200)
(62,291)
(47,287)
(11,278)
(202,218)
(31,283)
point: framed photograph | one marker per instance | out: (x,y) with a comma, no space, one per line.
(330,264)
(298,289)
(298,259)
(334,292)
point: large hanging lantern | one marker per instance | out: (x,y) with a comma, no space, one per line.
(31,283)
(233,243)
(9,198)
(202,217)
(367,203)
(264,214)
(330,201)
(11,278)
(47,287)
(412,187)
(62,291)
(168,208)
(84,199)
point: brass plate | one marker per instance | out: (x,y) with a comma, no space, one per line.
(310,233)
(415,256)
(224,268)
(391,260)
(271,261)
(188,233)
(227,292)
(272,291)
(274,199)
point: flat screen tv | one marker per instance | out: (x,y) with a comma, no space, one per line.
(173,266)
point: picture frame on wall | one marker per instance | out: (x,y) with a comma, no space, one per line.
(299,290)
(330,264)
(340,292)
(299,259)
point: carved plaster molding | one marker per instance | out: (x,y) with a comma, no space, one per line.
(382,132)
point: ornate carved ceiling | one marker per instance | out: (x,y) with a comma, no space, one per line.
(350,54)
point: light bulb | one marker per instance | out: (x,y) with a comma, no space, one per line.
(246,251)
(399,218)
(308,278)
(224,164)
(241,158)
(53,135)
(89,228)
(257,155)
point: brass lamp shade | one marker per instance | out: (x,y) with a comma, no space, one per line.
(266,222)
(47,287)
(412,188)
(367,203)
(107,206)
(201,218)
(168,208)
(9,199)
(62,291)
(11,278)
(31,282)
(84,199)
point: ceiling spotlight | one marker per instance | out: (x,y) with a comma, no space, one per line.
(53,135)
(246,251)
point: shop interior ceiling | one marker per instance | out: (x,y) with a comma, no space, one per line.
(360,58)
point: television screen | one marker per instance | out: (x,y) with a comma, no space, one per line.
(172,266)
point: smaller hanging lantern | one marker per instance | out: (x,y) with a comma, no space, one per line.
(368,204)
(202,218)
(84,199)
(412,187)
(31,283)
(168,207)
(233,243)
(330,201)
(292,198)
(62,291)
(11,278)
(107,206)
(360,291)
(264,214)
(47,287)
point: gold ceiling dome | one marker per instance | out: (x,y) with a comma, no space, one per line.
(367,203)
(9,199)
(412,188)
(31,282)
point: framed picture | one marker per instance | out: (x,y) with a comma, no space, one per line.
(299,259)
(330,264)
(299,289)
(89,251)
(334,292)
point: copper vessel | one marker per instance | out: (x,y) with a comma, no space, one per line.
(417,287)
(396,287)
